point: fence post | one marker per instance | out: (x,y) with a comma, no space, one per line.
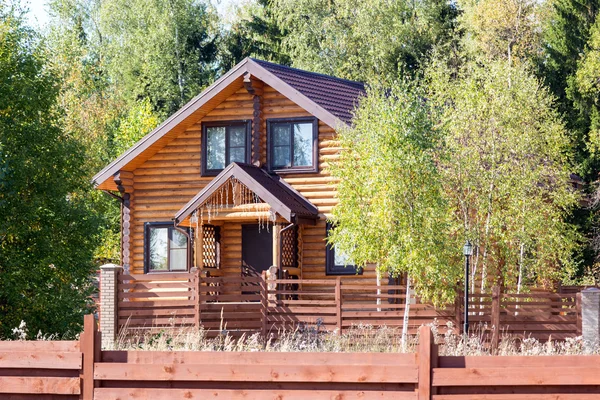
(458,310)
(578,312)
(427,357)
(264,290)
(590,318)
(338,303)
(495,317)
(89,345)
(196,287)
(109,313)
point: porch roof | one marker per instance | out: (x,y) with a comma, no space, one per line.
(278,194)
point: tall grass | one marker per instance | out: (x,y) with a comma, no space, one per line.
(360,338)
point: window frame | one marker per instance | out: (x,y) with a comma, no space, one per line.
(330,267)
(171,227)
(270,146)
(224,124)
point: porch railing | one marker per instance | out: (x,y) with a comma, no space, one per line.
(248,305)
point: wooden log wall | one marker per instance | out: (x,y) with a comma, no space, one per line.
(169,179)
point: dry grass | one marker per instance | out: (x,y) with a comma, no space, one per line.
(361,338)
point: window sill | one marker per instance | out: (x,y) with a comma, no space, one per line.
(289,171)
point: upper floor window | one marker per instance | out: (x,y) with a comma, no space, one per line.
(338,262)
(293,144)
(166,248)
(224,143)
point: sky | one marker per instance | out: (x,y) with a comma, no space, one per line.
(38,10)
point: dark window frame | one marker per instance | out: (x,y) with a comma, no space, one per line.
(270,146)
(330,267)
(225,124)
(166,224)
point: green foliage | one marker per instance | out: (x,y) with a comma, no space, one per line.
(163,50)
(566,34)
(506,171)
(391,209)
(377,40)
(508,29)
(255,33)
(47,231)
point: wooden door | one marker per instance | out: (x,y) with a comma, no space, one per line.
(257,249)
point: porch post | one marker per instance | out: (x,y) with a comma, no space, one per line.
(108,303)
(276,249)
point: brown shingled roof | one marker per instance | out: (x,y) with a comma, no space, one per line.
(282,198)
(338,96)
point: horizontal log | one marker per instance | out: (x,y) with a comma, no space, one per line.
(211,372)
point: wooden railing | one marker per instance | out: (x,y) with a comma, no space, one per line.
(157,299)
(248,305)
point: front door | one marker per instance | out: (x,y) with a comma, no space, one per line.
(257,249)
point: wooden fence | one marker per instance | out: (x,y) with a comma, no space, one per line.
(247,305)
(79,370)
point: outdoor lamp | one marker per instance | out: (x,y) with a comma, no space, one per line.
(468,252)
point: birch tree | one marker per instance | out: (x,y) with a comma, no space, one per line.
(391,208)
(506,172)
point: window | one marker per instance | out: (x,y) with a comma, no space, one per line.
(293,144)
(224,143)
(166,248)
(338,263)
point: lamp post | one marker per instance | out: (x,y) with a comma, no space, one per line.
(468,252)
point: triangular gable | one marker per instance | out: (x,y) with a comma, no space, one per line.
(205,102)
(282,199)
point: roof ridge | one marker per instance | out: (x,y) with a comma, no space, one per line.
(363,84)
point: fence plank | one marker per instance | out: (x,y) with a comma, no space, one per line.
(39,385)
(513,396)
(33,346)
(38,359)
(516,376)
(257,373)
(248,394)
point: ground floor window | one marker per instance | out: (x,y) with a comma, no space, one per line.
(166,247)
(337,262)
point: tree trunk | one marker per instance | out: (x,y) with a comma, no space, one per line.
(406,314)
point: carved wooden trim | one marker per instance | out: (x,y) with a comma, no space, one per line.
(255,87)
(123,179)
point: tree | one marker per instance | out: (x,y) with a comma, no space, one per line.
(565,35)
(47,233)
(377,40)
(254,33)
(506,172)
(391,209)
(508,29)
(163,51)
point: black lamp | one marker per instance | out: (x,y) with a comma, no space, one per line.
(468,252)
